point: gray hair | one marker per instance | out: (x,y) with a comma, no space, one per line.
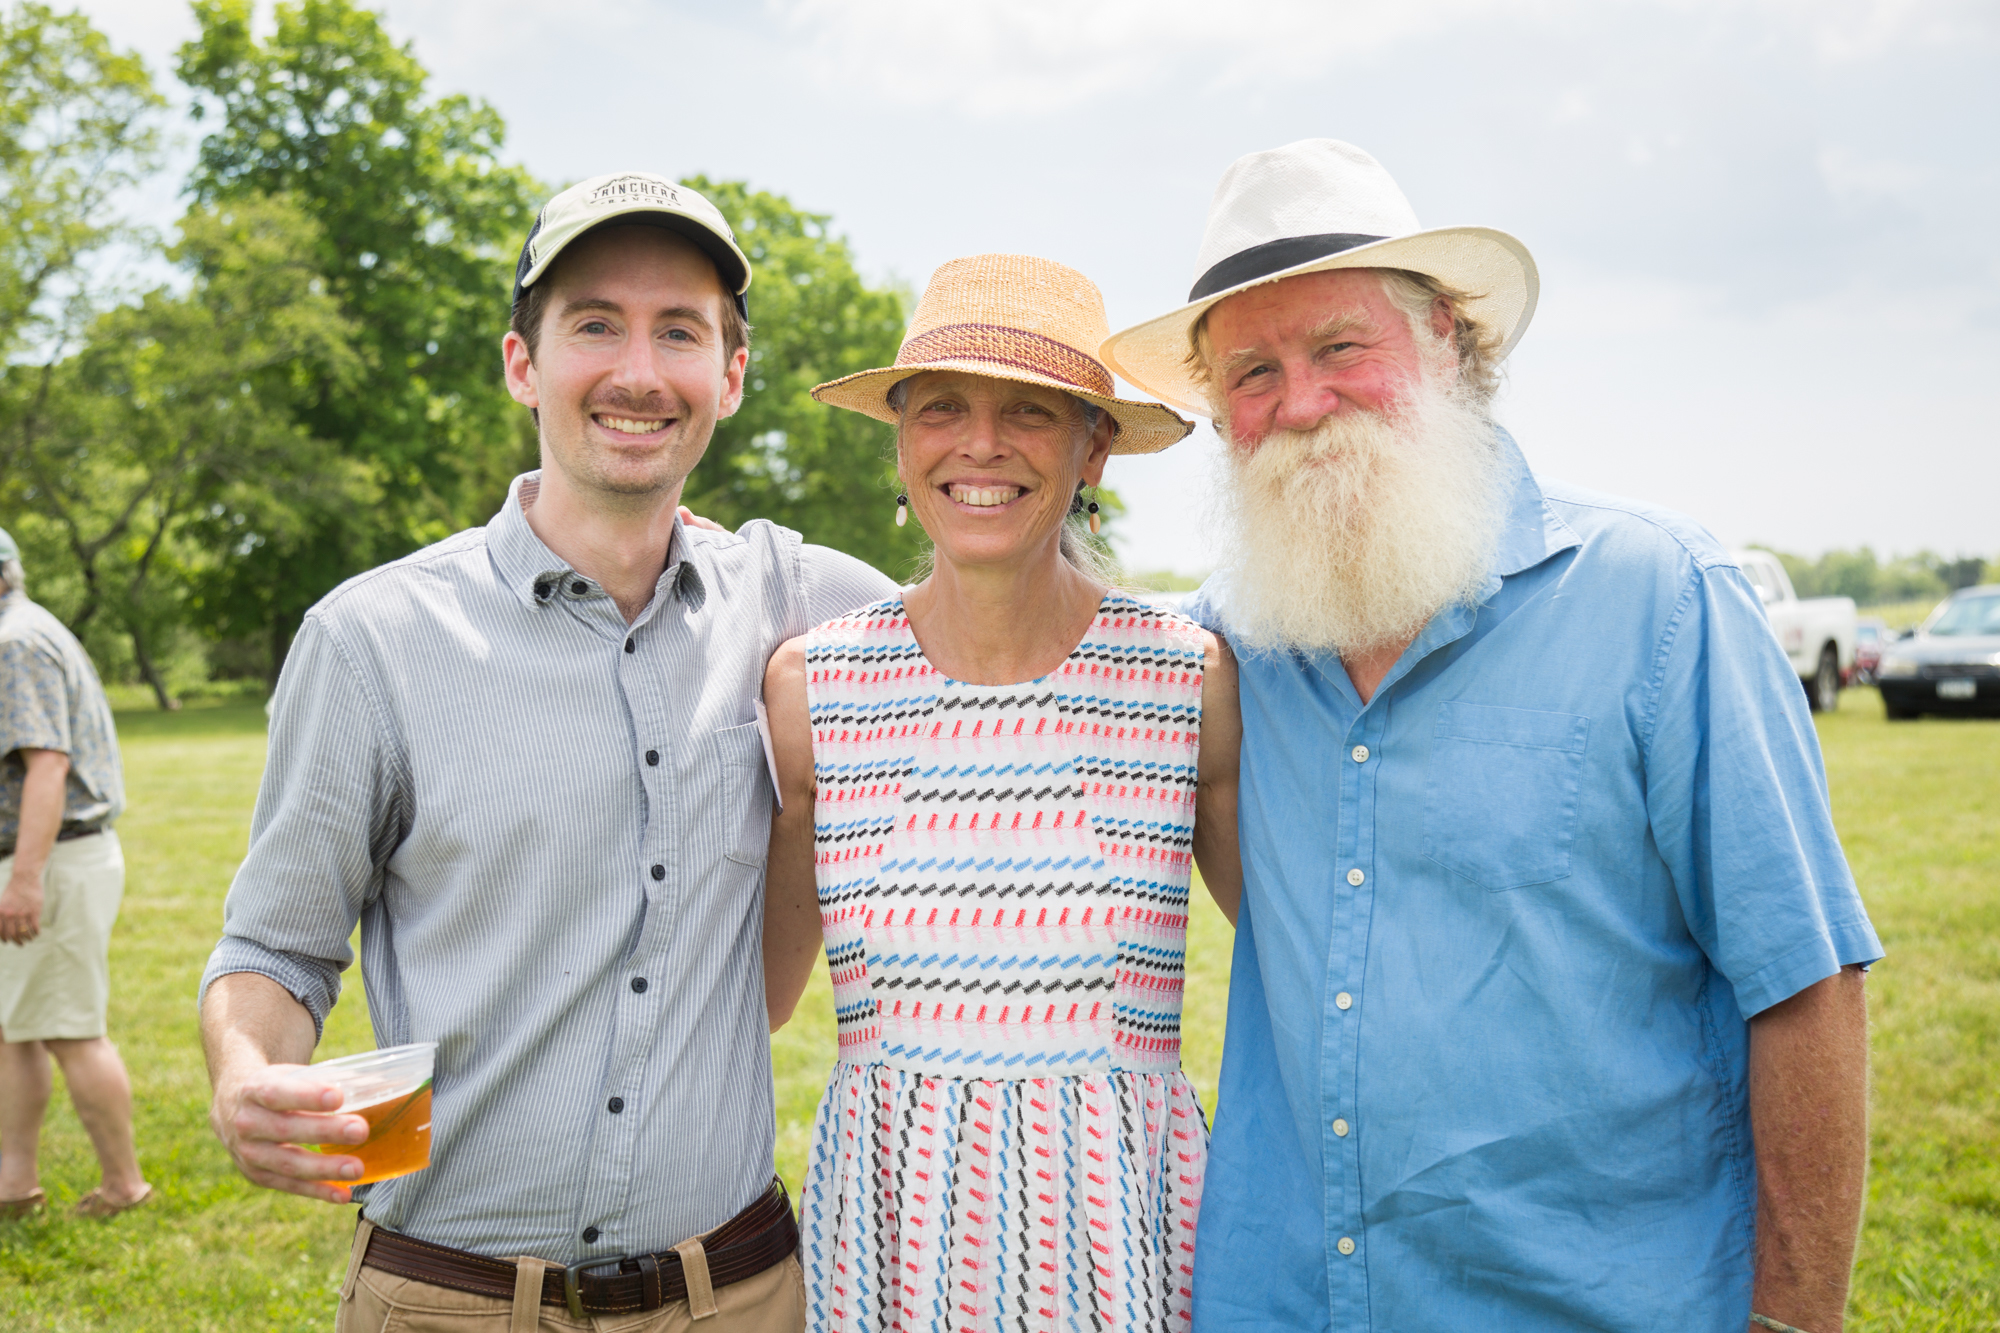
(13,576)
(1090,556)
(1414,294)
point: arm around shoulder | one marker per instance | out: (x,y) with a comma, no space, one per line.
(1215,846)
(835,583)
(791,889)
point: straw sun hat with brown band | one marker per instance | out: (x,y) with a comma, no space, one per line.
(1013,317)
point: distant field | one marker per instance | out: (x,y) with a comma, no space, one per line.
(1918,807)
(1902,615)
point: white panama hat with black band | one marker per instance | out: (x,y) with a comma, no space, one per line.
(633,197)
(1310,206)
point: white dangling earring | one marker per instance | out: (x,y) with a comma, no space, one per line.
(902,510)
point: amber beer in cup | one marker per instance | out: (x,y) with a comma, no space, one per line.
(391,1090)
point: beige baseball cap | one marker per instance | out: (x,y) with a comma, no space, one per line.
(633,197)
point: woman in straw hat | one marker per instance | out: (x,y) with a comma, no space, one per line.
(992,785)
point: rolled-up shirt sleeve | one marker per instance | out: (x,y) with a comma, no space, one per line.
(835,583)
(1738,802)
(330,812)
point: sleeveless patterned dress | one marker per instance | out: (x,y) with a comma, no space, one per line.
(1007,1141)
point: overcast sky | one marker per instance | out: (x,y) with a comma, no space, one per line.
(1770,297)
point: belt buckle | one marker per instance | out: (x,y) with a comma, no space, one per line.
(572,1293)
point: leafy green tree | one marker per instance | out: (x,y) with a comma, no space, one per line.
(828,473)
(418,224)
(77,127)
(177,415)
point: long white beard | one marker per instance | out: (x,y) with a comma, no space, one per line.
(1350,536)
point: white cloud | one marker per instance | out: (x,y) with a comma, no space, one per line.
(1848,31)
(995,57)
(1011,57)
(1849,175)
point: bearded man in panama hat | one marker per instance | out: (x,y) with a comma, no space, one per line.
(1546,1006)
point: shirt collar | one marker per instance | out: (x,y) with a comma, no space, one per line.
(537,576)
(1531,532)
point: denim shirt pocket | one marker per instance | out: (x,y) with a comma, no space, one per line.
(746,817)
(1500,804)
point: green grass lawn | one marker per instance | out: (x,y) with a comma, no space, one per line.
(1918,805)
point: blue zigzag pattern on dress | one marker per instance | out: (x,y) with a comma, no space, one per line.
(974,960)
(1073,703)
(888,765)
(859,1009)
(833,891)
(994,770)
(1151,768)
(1150,888)
(1140,1011)
(1133,828)
(909,703)
(845,825)
(996,1059)
(994,863)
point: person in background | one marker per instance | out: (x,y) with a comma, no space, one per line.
(992,785)
(62,877)
(1546,1007)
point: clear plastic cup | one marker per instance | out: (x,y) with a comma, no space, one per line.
(391,1090)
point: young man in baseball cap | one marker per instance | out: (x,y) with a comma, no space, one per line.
(526,760)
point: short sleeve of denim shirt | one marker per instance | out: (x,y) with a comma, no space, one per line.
(1738,802)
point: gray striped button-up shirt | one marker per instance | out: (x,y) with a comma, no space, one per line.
(551,826)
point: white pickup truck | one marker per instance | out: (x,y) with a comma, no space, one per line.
(1816,633)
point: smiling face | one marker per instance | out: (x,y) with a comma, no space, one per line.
(630,373)
(992,465)
(1288,355)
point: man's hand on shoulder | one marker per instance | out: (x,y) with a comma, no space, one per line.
(691,519)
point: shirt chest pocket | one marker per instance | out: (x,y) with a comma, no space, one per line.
(746,785)
(1500,804)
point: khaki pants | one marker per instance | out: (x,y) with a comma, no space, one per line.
(56,986)
(371,1301)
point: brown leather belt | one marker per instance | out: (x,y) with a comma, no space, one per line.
(744,1246)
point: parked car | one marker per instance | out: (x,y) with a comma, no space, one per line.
(1817,633)
(1871,635)
(1951,665)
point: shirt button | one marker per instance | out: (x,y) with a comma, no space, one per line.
(579,588)
(653,758)
(1345,1245)
(1360,751)
(659,872)
(638,985)
(628,646)
(1355,877)
(590,1235)
(1340,1129)
(615,1105)
(1343,1001)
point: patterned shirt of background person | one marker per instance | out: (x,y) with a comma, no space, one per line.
(63,874)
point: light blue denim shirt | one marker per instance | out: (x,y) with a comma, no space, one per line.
(1486,1063)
